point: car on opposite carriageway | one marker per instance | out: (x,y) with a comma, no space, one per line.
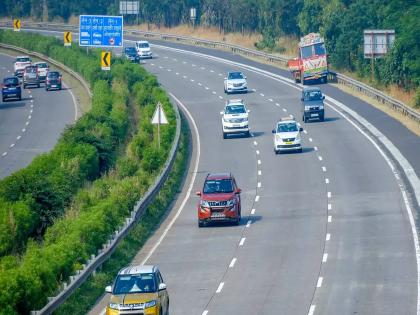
(11,88)
(220,200)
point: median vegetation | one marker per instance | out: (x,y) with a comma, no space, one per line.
(58,211)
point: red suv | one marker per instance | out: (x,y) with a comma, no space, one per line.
(220,200)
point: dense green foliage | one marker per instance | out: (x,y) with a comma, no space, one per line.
(341,22)
(75,197)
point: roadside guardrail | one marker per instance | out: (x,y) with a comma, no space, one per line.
(282,61)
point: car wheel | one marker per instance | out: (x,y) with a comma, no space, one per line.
(167,308)
(248,134)
(304,118)
(3,99)
(321,118)
(224,135)
(47,89)
(200,224)
(160,311)
(24,86)
(38,85)
(300,150)
(20,97)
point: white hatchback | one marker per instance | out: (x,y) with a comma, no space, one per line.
(235,118)
(286,136)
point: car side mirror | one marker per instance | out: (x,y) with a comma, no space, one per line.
(108,289)
(221,113)
(300,129)
(162,286)
(225,78)
(198,193)
(273,131)
(323,97)
(248,110)
(301,99)
(238,191)
(245,77)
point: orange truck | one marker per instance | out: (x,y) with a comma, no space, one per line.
(312,61)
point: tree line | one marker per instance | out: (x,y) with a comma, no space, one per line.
(341,22)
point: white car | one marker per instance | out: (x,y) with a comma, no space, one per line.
(43,69)
(235,118)
(20,64)
(143,49)
(235,82)
(286,136)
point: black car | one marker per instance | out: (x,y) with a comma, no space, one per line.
(312,104)
(11,88)
(130,53)
(53,81)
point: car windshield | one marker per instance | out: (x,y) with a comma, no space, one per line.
(143,45)
(10,81)
(235,75)
(235,109)
(306,52)
(287,127)
(42,65)
(140,283)
(53,75)
(130,50)
(23,59)
(315,95)
(218,186)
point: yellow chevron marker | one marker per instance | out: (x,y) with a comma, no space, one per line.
(67,38)
(106,60)
(16,25)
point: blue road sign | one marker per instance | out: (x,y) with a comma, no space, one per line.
(100,31)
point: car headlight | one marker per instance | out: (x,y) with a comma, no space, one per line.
(297,137)
(204,203)
(226,120)
(150,304)
(307,107)
(114,306)
(229,84)
(278,138)
(231,203)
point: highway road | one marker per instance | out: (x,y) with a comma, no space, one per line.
(33,125)
(323,232)
(328,231)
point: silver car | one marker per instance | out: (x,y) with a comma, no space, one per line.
(31,77)
(235,82)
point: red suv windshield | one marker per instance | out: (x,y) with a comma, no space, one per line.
(215,186)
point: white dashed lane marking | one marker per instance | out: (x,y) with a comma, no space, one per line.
(329,219)
(262,94)
(329,194)
(259,172)
(257,198)
(258,152)
(329,206)
(253,211)
(328,237)
(325,258)
(248,224)
(320,158)
(310,139)
(255,143)
(311,310)
(18,137)
(327,181)
(221,97)
(4,154)
(220,287)
(284,110)
(205,312)
(12,145)
(241,243)
(319,283)
(259,185)
(324,169)
(232,263)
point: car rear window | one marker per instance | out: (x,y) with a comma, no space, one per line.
(53,75)
(143,45)
(216,186)
(312,95)
(23,59)
(42,65)
(11,81)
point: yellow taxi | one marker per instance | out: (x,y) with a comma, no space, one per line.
(138,290)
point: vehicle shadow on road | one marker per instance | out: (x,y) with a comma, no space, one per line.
(11,105)
(328,119)
(243,222)
(258,134)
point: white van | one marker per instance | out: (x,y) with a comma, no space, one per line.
(143,49)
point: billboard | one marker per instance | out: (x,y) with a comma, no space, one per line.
(377,43)
(129,7)
(100,31)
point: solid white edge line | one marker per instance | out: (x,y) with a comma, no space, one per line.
(181,207)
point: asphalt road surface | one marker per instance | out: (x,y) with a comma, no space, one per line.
(323,232)
(31,126)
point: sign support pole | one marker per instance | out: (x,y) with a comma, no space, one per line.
(159,106)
